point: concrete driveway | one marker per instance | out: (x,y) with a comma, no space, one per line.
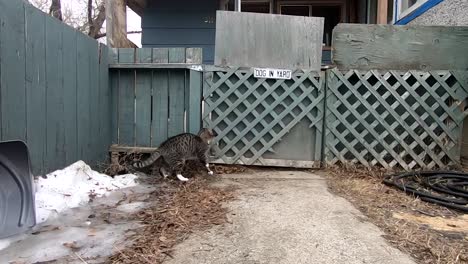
(288,217)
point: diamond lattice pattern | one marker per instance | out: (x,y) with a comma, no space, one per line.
(408,120)
(251,115)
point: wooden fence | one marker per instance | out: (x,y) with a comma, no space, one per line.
(54,89)
(408,119)
(57,94)
(153,97)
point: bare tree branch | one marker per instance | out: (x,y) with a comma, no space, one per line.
(90,14)
(55,9)
(98,21)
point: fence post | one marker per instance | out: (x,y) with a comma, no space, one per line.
(324,77)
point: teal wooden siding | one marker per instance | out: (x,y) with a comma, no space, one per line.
(154,101)
(180,23)
(54,89)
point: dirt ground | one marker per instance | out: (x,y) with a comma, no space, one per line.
(429,233)
(253,216)
(275,216)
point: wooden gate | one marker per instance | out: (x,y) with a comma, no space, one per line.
(264,121)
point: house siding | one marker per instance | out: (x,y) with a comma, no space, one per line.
(447,13)
(181,23)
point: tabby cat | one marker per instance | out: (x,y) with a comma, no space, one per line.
(176,150)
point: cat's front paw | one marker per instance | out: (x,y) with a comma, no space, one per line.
(210,173)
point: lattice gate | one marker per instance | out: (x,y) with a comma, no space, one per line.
(264,121)
(407,119)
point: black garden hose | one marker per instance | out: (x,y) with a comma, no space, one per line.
(446,188)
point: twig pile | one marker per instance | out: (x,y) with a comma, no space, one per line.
(178,211)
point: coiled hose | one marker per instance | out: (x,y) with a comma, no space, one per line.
(446,188)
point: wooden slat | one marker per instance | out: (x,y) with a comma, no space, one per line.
(160,55)
(115,108)
(117,148)
(69,87)
(55,95)
(151,66)
(176,102)
(193,56)
(127,55)
(93,118)
(83,98)
(127,107)
(36,87)
(94,140)
(143,108)
(159,125)
(389,47)
(194,105)
(12,79)
(144,55)
(176,55)
(105,116)
(265,40)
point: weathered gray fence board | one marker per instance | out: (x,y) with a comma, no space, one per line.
(143,112)
(127,105)
(12,53)
(54,93)
(176,55)
(115,106)
(265,40)
(83,95)
(69,40)
(395,119)
(130,56)
(176,102)
(94,101)
(160,107)
(35,87)
(194,104)
(50,82)
(105,114)
(391,47)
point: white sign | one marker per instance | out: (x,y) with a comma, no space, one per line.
(272,73)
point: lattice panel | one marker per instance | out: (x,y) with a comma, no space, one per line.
(251,116)
(395,119)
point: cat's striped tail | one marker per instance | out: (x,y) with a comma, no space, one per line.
(145,163)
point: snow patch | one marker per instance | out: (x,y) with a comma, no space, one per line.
(74,186)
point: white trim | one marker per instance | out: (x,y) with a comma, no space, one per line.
(408,11)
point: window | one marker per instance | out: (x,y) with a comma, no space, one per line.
(402,8)
(296,10)
(256,7)
(333,12)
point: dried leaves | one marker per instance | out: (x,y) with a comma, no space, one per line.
(178,211)
(380,203)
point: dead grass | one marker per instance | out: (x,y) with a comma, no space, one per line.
(178,210)
(413,226)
